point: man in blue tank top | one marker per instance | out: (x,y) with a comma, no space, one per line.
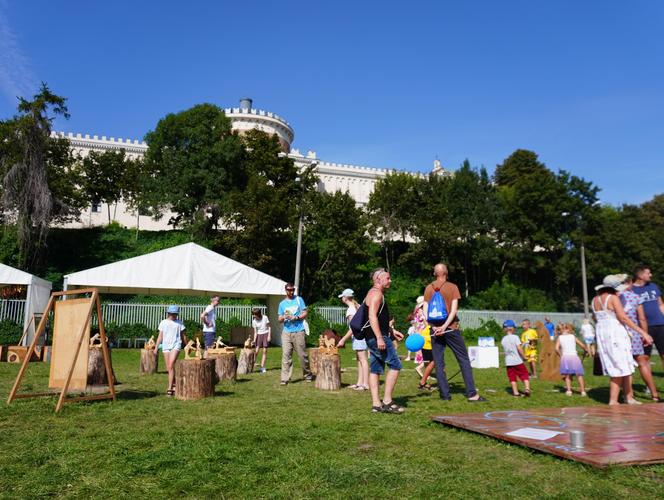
(653,307)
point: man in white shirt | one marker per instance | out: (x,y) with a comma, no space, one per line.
(209,319)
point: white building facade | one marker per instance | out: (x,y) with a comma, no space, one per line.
(355,180)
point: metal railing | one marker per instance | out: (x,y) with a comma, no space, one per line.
(334,315)
(12,309)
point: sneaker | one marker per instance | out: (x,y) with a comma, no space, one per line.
(283,383)
(584,393)
(568,393)
(263,370)
(308,379)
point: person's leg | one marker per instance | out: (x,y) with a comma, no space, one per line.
(568,384)
(286,357)
(454,339)
(301,349)
(533,369)
(264,357)
(420,369)
(374,383)
(390,382)
(438,350)
(646,374)
(628,391)
(427,372)
(363,369)
(614,390)
(526,384)
(582,384)
(515,388)
(170,358)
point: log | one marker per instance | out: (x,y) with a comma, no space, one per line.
(194,379)
(328,377)
(225,365)
(149,361)
(96,368)
(313,360)
(247,361)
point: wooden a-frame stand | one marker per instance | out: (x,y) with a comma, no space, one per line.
(94,301)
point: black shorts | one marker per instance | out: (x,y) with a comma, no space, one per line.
(427,355)
(657,334)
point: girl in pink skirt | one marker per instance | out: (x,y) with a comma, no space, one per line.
(570,363)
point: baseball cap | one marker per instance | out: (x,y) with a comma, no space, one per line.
(509,324)
(173,309)
(347,293)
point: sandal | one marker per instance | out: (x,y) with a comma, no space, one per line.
(526,393)
(425,387)
(361,388)
(354,386)
(170,392)
(518,395)
(376,409)
(392,407)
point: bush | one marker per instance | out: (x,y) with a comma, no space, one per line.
(317,324)
(487,329)
(506,296)
(10,332)
(129,331)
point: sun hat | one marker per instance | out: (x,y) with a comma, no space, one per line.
(347,293)
(173,310)
(612,281)
(419,302)
(509,324)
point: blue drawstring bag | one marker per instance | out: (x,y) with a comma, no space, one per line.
(437,311)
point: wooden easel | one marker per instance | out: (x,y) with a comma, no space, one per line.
(59,337)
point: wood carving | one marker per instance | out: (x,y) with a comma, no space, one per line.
(327,345)
(248,344)
(219,348)
(549,359)
(219,343)
(150,344)
(187,350)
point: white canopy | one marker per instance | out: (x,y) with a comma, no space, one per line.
(188,269)
(39,291)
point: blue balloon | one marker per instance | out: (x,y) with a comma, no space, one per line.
(414,342)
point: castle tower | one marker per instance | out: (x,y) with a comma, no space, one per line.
(246,117)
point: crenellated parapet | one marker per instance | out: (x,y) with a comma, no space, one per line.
(245,119)
(83,143)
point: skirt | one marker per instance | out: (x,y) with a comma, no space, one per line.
(570,364)
(614,348)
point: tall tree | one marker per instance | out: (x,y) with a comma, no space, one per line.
(39,181)
(103,174)
(197,160)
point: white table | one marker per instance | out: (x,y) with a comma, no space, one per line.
(483,357)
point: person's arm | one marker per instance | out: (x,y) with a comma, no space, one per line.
(520,350)
(622,317)
(660,303)
(282,314)
(440,330)
(558,346)
(255,334)
(159,339)
(582,345)
(643,323)
(397,334)
(343,339)
(204,318)
(183,337)
(373,303)
(269,333)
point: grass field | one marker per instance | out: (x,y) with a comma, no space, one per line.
(256,439)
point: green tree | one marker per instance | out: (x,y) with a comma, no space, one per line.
(40,182)
(103,175)
(197,160)
(138,183)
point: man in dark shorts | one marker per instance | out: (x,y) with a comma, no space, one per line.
(653,307)
(448,334)
(381,349)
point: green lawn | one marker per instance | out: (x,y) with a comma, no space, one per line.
(256,439)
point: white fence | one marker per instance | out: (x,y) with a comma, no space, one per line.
(12,309)
(151,314)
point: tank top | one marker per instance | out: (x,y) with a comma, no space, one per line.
(567,345)
(383,320)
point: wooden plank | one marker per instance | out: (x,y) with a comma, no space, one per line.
(70,317)
(614,435)
(89,398)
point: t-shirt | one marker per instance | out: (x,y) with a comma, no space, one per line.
(649,295)
(426,333)
(449,291)
(587,331)
(211,317)
(350,312)
(292,307)
(261,325)
(551,327)
(171,334)
(529,337)
(510,345)
(631,302)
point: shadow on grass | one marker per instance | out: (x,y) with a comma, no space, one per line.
(133,395)
(222,393)
(599,394)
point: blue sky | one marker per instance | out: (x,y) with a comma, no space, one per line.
(385,84)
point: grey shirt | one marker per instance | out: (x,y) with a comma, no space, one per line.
(510,345)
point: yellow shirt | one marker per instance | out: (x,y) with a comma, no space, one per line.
(529,341)
(426,333)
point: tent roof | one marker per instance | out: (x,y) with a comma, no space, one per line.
(12,276)
(188,269)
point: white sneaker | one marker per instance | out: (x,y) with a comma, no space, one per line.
(263,370)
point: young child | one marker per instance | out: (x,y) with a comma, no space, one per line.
(262,333)
(514,359)
(426,360)
(570,364)
(529,340)
(171,337)
(588,334)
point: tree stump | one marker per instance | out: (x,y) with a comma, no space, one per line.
(328,377)
(149,361)
(225,365)
(194,378)
(96,368)
(313,360)
(247,361)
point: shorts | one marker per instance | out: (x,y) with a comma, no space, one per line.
(209,339)
(427,355)
(657,334)
(378,359)
(530,355)
(589,340)
(261,340)
(517,371)
(359,345)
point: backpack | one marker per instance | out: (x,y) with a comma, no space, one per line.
(437,311)
(360,322)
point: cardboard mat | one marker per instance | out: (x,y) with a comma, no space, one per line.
(614,435)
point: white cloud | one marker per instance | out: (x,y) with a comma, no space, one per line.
(16,78)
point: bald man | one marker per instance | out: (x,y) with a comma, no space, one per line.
(447,333)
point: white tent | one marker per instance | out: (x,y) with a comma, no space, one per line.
(188,269)
(39,291)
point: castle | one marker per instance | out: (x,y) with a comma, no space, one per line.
(357,181)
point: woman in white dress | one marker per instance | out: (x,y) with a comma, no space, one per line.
(613,340)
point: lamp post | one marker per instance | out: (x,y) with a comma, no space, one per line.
(584,278)
(300,228)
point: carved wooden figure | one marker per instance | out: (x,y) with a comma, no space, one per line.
(149,358)
(549,359)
